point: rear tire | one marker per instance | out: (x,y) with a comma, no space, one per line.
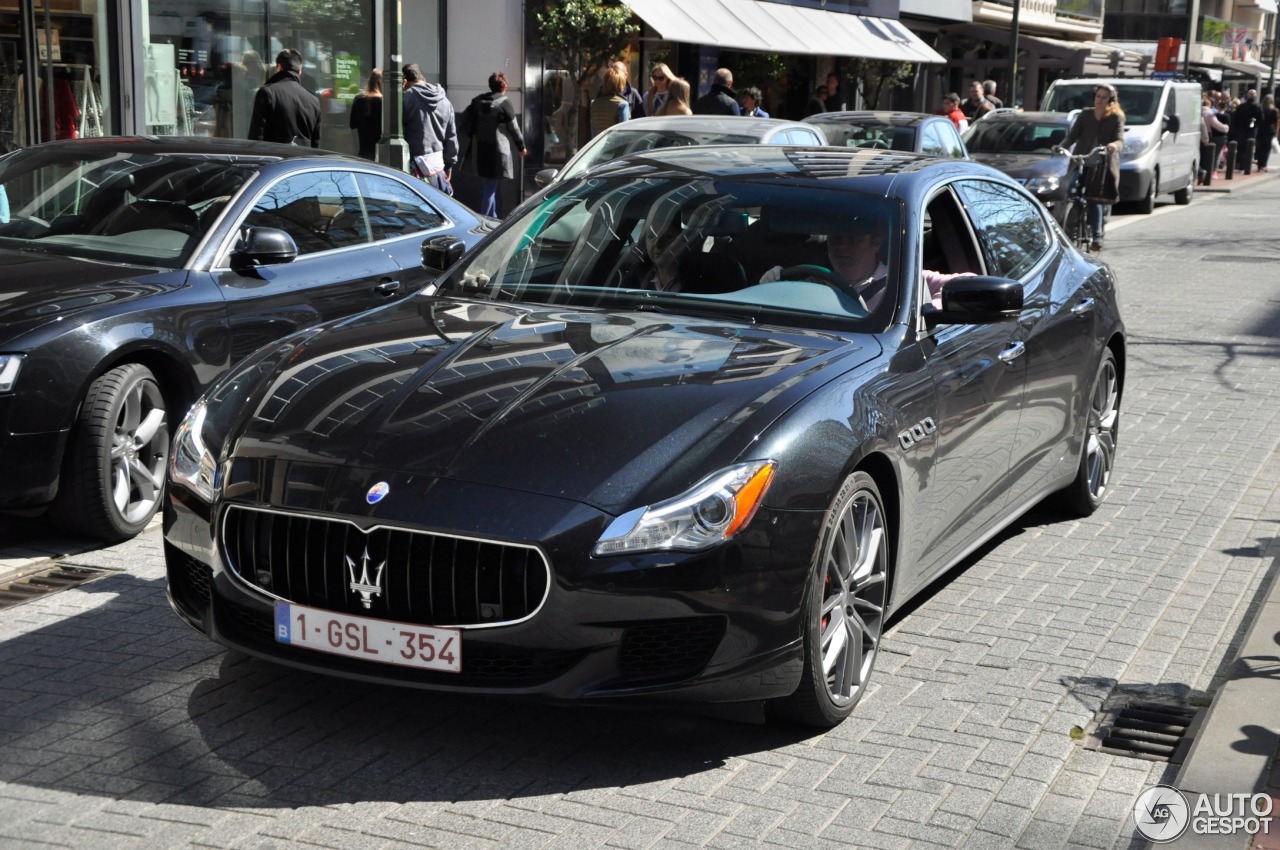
(1101,430)
(844,608)
(115,466)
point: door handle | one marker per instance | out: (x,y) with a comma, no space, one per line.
(1084,308)
(1012,352)
(387,287)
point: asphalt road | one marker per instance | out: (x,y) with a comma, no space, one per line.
(122,728)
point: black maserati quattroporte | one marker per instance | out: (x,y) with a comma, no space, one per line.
(686,427)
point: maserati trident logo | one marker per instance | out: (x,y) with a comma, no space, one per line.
(362,585)
(377,492)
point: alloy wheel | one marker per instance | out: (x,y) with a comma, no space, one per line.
(139,448)
(854,591)
(1104,415)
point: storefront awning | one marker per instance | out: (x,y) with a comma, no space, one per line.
(1268,6)
(777,28)
(1250,67)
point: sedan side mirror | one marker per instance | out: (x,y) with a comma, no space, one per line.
(976,300)
(440,252)
(544,177)
(263,246)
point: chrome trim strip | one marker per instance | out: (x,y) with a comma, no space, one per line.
(233,572)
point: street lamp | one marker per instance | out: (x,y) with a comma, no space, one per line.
(392,149)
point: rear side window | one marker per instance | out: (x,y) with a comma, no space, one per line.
(931,141)
(1009,225)
(320,209)
(394,209)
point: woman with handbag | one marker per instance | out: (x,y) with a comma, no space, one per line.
(1100,127)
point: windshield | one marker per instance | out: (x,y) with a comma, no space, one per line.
(1141,104)
(113,205)
(748,250)
(875,135)
(990,136)
(616,143)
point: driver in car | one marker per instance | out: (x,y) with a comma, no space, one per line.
(854,255)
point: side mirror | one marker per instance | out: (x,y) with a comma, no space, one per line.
(544,177)
(1172,124)
(263,246)
(975,300)
(440,252)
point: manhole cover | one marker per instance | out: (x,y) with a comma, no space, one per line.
(19,589)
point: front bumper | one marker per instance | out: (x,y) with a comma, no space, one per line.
(716,627)
(29,464)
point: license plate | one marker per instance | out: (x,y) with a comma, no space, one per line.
(384,641)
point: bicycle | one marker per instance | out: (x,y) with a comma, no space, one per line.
(1076,222)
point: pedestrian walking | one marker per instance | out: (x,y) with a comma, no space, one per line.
(951,109)
(1102,126)
(1213,135)
(660,78)
(721,99)
(489,136)
(677,101)
(1244,126)
(1267,130)
(366,116)
(817,102)
(609,107)
(283,110)
(976,105)
(989,92)
(635,100)
(751,103)
(430,128)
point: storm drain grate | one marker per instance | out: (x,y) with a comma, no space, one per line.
(21,589)
(1147,730)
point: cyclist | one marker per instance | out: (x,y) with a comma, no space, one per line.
(1100,127)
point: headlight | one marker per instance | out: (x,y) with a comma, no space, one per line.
(192,463)
(711,512)
(10,366)
(1133,146)
(1040,185)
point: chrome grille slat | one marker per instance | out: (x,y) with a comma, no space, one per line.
(447,580)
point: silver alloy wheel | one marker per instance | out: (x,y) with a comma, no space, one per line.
(139,449)
(853,599)
(1103,417)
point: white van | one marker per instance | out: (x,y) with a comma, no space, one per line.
(1161,134)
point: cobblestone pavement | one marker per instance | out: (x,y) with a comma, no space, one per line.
(122,728)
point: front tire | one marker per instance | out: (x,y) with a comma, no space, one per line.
(1102,427)
(1147,205)
(1183,196)
(116,460)
(844,608)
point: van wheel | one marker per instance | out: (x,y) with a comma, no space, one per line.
(1147,205)
(1182,197)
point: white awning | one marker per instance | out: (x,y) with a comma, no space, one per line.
(1252,67)
(1268,6)
(778,28)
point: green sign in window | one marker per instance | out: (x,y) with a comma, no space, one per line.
(346,76)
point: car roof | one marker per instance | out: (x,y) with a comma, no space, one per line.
(820,167)
(187,145)
(900,119)
(713,123)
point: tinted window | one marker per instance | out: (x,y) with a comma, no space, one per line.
(319,209)
(931,141)
(1009,226)
(394,209)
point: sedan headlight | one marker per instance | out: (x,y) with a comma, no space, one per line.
(10,366)
(191,463)
(1040,185)
(710,512)
(1133,146)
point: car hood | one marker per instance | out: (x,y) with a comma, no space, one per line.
(594,406)
(36,289)
(1023,165)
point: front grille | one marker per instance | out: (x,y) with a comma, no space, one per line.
(388,573)
(672,648)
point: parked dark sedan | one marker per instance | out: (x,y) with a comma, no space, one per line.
(647,441)
(1021,145)
(918,132)
(135,271)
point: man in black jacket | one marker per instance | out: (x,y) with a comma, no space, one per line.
(1244,126)
(722,99)
(283,110)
